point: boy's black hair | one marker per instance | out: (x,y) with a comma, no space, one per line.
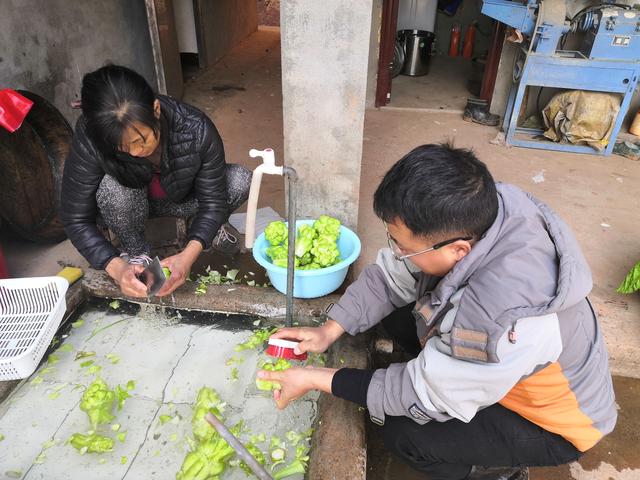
(113,99)
(437,189)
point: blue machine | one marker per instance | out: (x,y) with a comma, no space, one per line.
(607,61)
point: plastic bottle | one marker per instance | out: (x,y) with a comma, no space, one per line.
(469,39)
(454,43)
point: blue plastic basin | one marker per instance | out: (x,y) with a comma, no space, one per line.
(311,283)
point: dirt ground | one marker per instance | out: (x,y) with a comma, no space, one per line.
(597,196)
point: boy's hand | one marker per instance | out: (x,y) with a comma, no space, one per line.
(126,276)
(295,382)
(312,339)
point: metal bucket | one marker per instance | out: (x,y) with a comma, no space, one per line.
(417,47)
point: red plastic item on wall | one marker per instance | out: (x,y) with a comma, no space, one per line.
(4,272)
(454,42)
(469,39)
(13,108)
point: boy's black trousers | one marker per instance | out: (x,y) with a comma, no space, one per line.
(495,437)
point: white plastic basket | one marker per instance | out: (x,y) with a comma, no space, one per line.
(30,312)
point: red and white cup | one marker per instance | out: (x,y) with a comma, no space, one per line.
(284,349)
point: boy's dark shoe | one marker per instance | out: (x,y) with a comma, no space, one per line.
(227,240)
(477,111)
(499,473)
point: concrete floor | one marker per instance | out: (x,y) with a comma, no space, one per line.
(597,196)
(169,360)
(443,88)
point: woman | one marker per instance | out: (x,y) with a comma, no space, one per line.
(137,155)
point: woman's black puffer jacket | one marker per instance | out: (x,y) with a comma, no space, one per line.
(192,163)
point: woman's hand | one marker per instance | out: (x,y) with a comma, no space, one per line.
(312,339)
(179,265)
(126,276)
(295,382)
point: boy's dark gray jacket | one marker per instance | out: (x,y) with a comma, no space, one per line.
(509,324)
(192,163)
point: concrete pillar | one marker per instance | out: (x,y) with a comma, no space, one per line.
(325,50)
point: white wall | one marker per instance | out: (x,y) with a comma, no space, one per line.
(185,26)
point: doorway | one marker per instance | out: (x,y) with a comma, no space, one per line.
(191,35)
(436,54)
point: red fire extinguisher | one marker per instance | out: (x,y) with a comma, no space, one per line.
(469,38)
(454,42)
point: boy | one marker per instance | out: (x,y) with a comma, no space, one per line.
(487,287)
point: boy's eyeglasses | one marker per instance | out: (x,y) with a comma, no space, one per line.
(397,251)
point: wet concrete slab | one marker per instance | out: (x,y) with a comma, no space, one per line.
(169,361)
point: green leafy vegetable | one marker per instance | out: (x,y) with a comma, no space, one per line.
(1,437)
(37,380)
(294,468)
(86,364)
(327,226)
(277,454)
(101,329)
(115,427)
(123,460)
(279,365)
(294,437)
(315,245)
(325,251)
(67,347)
(78,323)
(48,444)
(13,473)
(257,454)
(207,401)
(47,370)
(113,358)
(207,462)
(53,359)
(232,274)
(121,436)
(122,393)
(234,374)
(164,419)
(256,340)
(277,253)
(213,277)
(297,466)
(632,282)
(276,232)
(82,354)
(259,438)
(97,402)
(92,443)
(115,304)
(310,266)
(304,240)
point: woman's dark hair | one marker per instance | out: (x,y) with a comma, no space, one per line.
(438,190)
(113,98)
